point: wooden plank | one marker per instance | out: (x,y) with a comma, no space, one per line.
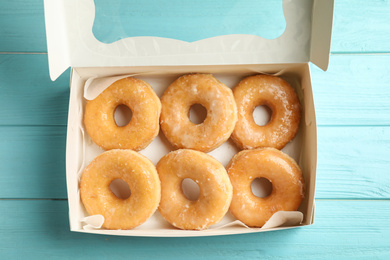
(181,20)
(354,91)
(361,26)
(28,96)
(358,26)
(23,26)
(353,162)
(343,230)
(32,162)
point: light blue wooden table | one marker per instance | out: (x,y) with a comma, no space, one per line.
(353,181)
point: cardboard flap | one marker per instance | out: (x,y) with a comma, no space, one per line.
(321,33)
(71,42)
(56,36)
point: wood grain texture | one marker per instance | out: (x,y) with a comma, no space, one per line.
(22,26)
(361,26)
(181,20)
(343,230)
(352,162)
(354,91)
(32,162)
(28,96)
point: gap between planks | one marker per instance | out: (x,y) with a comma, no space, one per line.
(8,52)
(359,53)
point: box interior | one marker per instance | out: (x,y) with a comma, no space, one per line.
(81,150)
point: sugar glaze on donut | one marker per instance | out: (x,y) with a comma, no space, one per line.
(133,168)
(143,127)
(215,189)
(207,91)
(273,165)
(280,97)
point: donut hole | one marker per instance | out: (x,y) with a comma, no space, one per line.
(262,115)
(120,188)
(197,114)
(190,189)
(261,187)
(122,115)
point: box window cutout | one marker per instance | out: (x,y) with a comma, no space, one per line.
(187,20)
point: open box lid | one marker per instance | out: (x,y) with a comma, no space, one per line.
(71,41)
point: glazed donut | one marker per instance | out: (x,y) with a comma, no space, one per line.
(141,176)
(143,127)
(215,189)
(280,97)
(274,165)
(207,91)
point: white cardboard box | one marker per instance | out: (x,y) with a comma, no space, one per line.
(159,61)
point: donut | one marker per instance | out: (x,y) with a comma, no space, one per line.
(280,98)
(215,189)
(137,171)
(207,91)
(274,165)
(143,127)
